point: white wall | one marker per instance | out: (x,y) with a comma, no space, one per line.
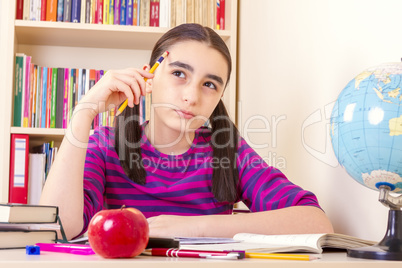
(295,56)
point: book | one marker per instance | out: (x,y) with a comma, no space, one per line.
(51,10)
(129,12)
(59,97)
(164,13)
(36,177)
(20,213)
(312,243)
(53,99)
(19,9)
(43,7)
(26,91)
(67,11)
(154,13)
(19,161)
(145,12)
(60,10)
(10,239)
(76,11)
(18,89)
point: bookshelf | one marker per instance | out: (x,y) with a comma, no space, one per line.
(79,45)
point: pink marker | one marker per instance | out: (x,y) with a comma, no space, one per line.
(78,249)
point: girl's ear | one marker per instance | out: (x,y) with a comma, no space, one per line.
(148,89)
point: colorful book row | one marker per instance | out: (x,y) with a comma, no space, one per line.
(45,97)
(157,13)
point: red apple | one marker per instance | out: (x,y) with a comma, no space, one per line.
(118,233)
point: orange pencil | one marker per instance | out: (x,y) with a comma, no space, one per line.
(279,256)
(157,63)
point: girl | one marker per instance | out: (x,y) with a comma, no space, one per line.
(183,176)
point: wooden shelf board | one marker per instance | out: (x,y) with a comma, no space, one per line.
(90,35)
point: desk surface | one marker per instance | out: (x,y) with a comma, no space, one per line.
(17,258)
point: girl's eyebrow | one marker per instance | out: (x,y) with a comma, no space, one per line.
(182,65)
(188,67)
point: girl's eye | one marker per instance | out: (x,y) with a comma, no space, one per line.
(178,74)
(210,85)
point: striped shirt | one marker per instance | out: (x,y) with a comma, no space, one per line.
(181,184)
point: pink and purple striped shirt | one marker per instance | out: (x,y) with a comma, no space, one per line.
(181,184)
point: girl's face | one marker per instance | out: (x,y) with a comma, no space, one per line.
(188,85)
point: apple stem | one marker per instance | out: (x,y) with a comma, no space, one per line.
(123,206)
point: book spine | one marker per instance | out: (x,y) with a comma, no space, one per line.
(43,10)
(27,94)
(154,13)
(65,96)
(94,6)
(164,13)
(83,11)
(88,11)
(173,13)
(67,11)
(36,177)
(111,12)
(198,11)
(123,12)
(180,12)
(71,96)
(23,89)
(19,9)
(38,10)
(48,96)
(60,10)
(190,11)
(106,6)
(51,10)
(32,9)
(60,97)
(76,86)
(145,12)
(129,12)
(53,99)
(26,10)
(116,16)
(44,96)
(135,13)
(38,96)
(75,11)
(81,81)
(34,93)
(19,59)
(222,15)
(19,163)
(100,11)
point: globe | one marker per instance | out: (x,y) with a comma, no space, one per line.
(366,127)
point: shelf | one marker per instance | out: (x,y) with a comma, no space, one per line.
(90,35)
(39,132)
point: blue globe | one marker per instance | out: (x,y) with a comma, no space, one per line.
(366,127)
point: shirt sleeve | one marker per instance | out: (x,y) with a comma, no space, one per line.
(94,177)
(263,187)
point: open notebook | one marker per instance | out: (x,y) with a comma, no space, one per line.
(313,243)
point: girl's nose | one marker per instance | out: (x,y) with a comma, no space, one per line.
(190,94)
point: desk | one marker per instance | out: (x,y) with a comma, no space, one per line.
(17,258)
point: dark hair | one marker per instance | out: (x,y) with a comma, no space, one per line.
(224,139)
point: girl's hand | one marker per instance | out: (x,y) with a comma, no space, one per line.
(172,226)
(116,86)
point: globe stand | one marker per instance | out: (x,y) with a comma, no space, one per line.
(390,247)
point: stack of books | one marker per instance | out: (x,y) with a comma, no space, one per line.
(23,225)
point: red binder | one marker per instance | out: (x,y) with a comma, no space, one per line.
(19,163)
